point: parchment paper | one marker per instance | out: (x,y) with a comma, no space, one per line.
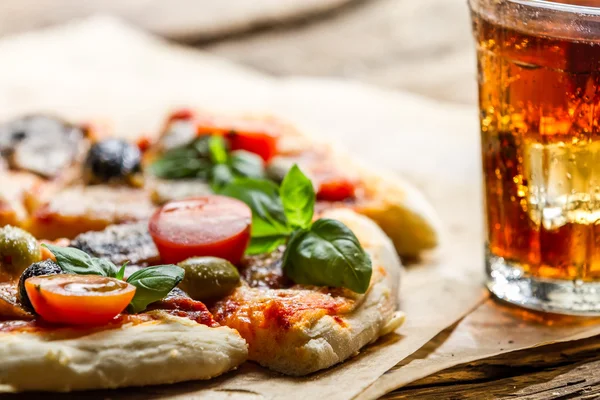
(104,69)
(494,328)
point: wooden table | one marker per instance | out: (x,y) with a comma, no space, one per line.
(424,47)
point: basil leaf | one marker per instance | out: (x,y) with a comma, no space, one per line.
(105,265)
(244,163)
(327,254)
(121,272)
(262,196)
(188,161)
(218,150)
(265,245)
(298,197)
(75,261)
(179,167)
(202,146)
(153,284)
(220,176)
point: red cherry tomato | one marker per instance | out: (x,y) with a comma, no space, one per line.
(262,144)
(204,226)
(336,189)
(255,136)
(78,299)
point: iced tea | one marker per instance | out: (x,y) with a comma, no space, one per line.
(539,99)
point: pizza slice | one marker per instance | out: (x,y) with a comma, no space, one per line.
(76,322)
(297,329)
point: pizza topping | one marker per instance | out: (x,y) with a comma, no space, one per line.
(324,253)
(179,304)
(184,114)
(208,278)
(204,226)
(265,270)
(78,300)
(328,254)
(10,306)
(163,190)
(261,143)
(153,283)
(46,267)
(130,243)
(336,189)
(178,133)
(331,183)
(40,144)
(113,161)
(207,158)
(190,160)
(18,250)
(270,228)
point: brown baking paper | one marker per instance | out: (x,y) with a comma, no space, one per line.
(494,328)
(102,69)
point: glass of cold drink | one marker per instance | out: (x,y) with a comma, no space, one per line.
(539,100)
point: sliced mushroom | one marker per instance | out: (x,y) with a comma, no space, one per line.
(40,144)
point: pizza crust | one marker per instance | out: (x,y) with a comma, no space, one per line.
(314,340)
(169,350)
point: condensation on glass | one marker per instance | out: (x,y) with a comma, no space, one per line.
(539,99)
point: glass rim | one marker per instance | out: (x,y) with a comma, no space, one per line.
(554,6)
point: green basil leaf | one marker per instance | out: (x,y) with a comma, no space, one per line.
(202,146)
(262,196)
(220,176)
(246,164)
(265,245)
(153,284)
(188,161)
(179,167)
(298,197)
(327,254)
(218,150)
(75,261)
(105,265)
(121,272)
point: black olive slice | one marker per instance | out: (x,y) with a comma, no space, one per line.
(112,160)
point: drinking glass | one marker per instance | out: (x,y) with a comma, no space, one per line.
(539,101)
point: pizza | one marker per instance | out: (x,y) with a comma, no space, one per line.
(59,202)
(180,257)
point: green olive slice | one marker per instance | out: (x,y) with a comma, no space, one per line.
(208,278)
(18,250)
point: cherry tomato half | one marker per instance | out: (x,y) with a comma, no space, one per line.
(204,226)
(336,189)
(78,299)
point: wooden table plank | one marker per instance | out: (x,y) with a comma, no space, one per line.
(567,369)
(420,46)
